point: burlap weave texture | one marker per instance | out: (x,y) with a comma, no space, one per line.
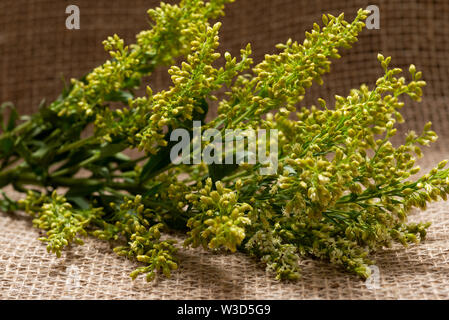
(36,49)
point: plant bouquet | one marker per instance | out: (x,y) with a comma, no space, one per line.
(261,177)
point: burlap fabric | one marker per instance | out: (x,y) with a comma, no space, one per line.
(36,50)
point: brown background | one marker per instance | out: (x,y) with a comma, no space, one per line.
(36,51)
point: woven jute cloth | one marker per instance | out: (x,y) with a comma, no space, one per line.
(36,51)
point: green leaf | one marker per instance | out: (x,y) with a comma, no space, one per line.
(13,116)
(82,191)
(152,191)
(219,171)
(112,149)
(7,145)
(79,201)
(24,152)
(6,204)
(119,96)
(41,153)
(156,162)
(12,120)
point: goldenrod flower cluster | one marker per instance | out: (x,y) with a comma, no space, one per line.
(64,225)
(219,218)
(342,189)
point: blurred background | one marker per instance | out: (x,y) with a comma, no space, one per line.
(37,50)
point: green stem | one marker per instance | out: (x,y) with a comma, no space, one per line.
(79,143)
